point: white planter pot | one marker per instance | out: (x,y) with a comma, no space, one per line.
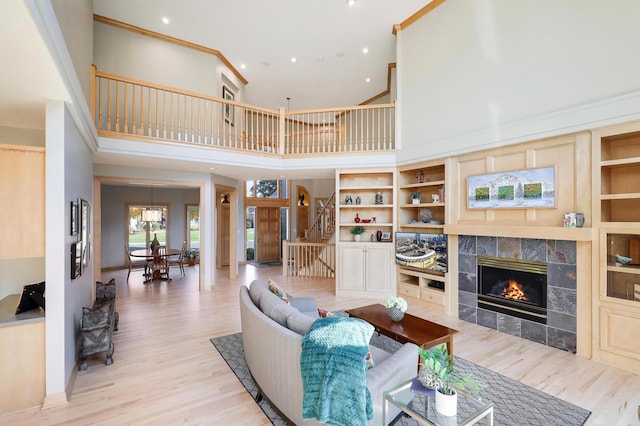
(447,405)
(415,200)
(357,237)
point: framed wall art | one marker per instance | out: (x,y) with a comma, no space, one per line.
(228,95)
(76,257)
(85,234)
(519,189)
(73,214)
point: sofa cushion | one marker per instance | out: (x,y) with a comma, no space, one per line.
(300,323)
(256,290)
(272,306)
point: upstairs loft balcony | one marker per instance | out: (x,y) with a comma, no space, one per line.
(125,108)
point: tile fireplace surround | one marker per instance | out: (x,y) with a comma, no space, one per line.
(560,256)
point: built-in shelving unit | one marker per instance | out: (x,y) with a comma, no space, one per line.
(365,197)
(428,214)
(429,180)
(616,209)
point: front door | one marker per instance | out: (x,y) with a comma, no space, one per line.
(267,234)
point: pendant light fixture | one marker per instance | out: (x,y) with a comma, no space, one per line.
(152,214)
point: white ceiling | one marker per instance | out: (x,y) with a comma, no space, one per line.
(258,32)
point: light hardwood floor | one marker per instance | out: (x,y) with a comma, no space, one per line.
(166,371)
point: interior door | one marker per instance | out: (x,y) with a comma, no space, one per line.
(267,234)
(224,218)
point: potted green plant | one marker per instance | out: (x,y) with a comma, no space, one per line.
(437,372)
(357,232)
(191,255)
(415,197)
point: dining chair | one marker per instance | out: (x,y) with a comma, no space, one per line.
(178,261)
(133,262)
(160,265)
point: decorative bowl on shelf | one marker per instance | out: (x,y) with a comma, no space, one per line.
(366,220)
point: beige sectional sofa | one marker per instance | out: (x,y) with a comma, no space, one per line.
(272,333)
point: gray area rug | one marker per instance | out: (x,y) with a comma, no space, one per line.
(266,264)
(514,402)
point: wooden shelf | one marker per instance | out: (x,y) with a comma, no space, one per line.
(415,206)
(377,224)
(366,188)
(624,269)
(537,232)
(627,196)
(365,206)
(621,162)
(423,184)
(422,225)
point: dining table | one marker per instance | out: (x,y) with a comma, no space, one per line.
(151,255)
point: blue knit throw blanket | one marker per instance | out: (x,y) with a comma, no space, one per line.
(334,372)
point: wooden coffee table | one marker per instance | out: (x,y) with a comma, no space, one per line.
(412,329)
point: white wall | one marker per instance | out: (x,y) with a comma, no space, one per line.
(473,74)
(113,216)
(145,58)
(69,176)
(76,23)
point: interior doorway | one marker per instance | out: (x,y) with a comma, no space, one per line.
(226,201)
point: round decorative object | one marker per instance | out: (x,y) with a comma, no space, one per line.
(447,405)
(425,215)
(357,219)
(395,314)
(428,379)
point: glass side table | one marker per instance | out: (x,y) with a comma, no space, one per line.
(420,404)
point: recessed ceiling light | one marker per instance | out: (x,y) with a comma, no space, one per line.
(212,168)
(165,20)
(294,60)
(320,58)
(368,80)
(352,2)
(340,54)
(365,50)
(243,66)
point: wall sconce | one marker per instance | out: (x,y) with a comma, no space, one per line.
(225,199)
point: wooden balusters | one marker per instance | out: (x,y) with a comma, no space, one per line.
(128,107)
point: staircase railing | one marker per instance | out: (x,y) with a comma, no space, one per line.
(301,259)
(314,257)
(324,225)
(130,109)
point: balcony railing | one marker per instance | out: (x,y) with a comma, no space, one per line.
(130,109)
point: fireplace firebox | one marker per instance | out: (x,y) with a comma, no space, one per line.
(514,287)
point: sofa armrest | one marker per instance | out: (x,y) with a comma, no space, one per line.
(397,368)
(306,305)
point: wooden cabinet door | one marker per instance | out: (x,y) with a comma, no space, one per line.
(379,265)
(22,191)
(352,272)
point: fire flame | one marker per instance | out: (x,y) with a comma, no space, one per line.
(514,291)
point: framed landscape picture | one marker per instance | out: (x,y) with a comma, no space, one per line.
(519,189)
